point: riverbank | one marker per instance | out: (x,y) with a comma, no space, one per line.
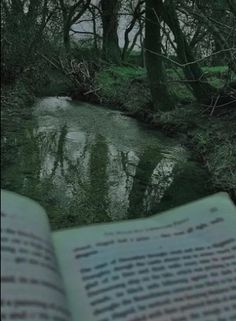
(15,112)
(15,105)
(211,137)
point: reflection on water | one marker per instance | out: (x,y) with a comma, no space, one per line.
(88,164)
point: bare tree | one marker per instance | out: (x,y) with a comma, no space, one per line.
(218,24)
(23,26)
(111,48)
(153,56)
(136,13)
(71,13)
(192,70)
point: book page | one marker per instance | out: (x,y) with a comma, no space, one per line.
(178,266)
(31,286)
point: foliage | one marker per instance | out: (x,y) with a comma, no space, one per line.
(217,143)
(26,31)
(16,96)
(53,83)
(14,111)
(181,119)
(82,50)
(71,13)
(124,86)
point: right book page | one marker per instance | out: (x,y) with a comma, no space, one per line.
(177,266)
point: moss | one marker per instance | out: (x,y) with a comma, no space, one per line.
(215,69)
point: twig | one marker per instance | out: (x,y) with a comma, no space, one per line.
(192,62)
(213,108)
(92,91)
(50,61)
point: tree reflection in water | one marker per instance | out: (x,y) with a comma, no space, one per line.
(87,164)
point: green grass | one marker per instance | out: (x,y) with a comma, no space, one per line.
(217,75)
(215,69)
(128,86)
(128,72)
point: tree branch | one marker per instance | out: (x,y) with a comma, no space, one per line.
(192,62)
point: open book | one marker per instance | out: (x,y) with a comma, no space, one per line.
(177,266)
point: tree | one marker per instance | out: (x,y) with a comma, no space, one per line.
(136,13)
(192,70)
(71,14)
(153,56)
(23,26)
(219,25)
(98,187)
(141,182)
(111,48)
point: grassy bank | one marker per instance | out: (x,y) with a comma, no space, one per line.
(128,87)
(212,139)
(15,102)
(15,112)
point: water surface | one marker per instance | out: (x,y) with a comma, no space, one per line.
(88,164)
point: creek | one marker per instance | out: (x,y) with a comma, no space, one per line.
(85,164)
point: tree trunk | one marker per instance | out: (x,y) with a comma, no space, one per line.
(141,182)
(153,59)
(218,13)
(71,14)
(136,16)
(95,36)
(201,89)
(111,48)
(99,158)
(66,38)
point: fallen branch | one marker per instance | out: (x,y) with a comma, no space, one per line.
(50,61)
(215,104)
(92,91)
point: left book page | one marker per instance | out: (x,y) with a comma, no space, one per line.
(31,284)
